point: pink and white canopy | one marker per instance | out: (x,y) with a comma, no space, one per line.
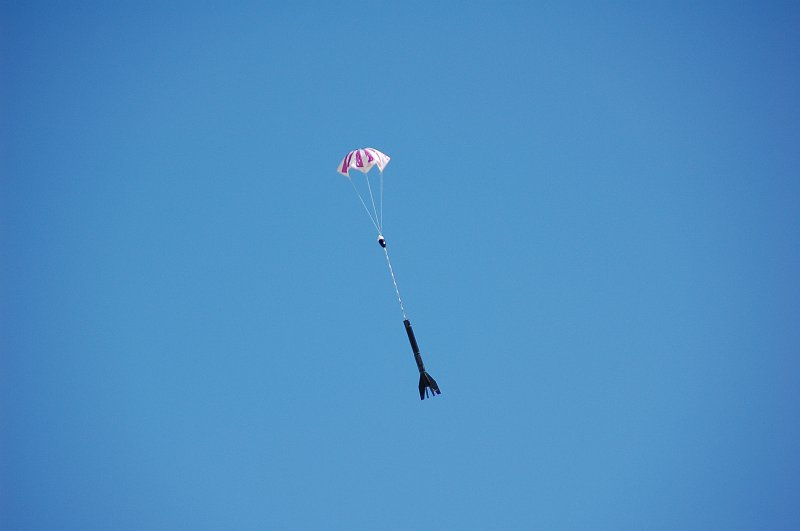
(363,160)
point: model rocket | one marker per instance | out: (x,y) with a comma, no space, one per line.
(426,381)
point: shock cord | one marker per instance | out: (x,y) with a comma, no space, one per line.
(394,281)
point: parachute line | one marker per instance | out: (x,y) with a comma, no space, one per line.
(372,198)
(374,222)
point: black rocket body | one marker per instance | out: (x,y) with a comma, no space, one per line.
(426,382)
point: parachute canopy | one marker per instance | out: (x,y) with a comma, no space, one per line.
(363,160)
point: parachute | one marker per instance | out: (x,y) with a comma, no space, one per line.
(364,160)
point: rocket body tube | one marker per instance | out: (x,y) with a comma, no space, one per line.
(426,381)
(414,346)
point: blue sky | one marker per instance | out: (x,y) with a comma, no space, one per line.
(593,216)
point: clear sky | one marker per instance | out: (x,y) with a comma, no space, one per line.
(594,216)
